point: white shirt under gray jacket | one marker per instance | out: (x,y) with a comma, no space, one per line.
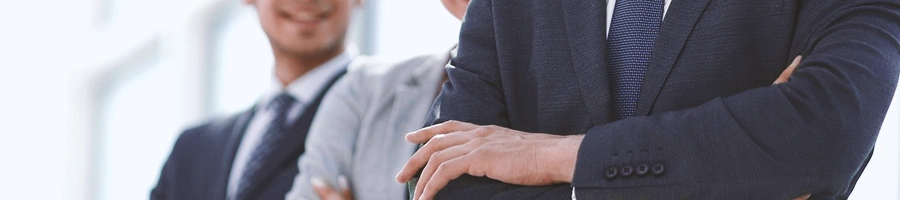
(360,126)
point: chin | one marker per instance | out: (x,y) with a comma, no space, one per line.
(310,48)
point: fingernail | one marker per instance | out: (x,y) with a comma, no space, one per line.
(317,182)
(342,182)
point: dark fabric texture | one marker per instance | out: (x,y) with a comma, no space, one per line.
(707,112)
(200,163)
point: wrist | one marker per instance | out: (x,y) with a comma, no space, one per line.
(562,157)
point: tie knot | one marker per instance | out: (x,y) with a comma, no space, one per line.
(281,102)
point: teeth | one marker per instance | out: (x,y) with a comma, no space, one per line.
(306,17)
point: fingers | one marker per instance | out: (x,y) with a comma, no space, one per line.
(322,189)
(344,186)
(786,74)
(437,160)
(326,192)
(804,197)
(446,172)
(425,134)
(421,157)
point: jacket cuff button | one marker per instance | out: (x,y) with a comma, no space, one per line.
(611,173)
(659,169)
(627,170)
(642,169)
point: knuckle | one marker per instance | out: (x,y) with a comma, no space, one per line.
(443,167)
(477,152)
(452,123)
(419,157)
(437,139)
(436,155)
(479,141)
(476,171)
(482,131)
(436,144)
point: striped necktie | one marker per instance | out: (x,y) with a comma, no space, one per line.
(263,152)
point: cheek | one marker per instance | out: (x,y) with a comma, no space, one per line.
(269,19)
(463,5)
(337,25)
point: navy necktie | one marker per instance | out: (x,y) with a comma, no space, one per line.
(632,32)
(263,152)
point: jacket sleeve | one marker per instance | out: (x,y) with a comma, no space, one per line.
(331,139)
(810,135)
(166,185)
(476,96)
(159,191)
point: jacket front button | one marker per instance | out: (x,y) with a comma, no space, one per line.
(611,173)
(659,169)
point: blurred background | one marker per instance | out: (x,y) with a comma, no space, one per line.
(95,92)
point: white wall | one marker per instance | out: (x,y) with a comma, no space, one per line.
(881,179)
(34,58)
(413,27)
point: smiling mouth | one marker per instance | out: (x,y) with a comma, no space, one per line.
(307,16)
(306,13)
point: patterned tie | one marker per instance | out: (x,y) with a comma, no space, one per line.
(263,152)
(632,32)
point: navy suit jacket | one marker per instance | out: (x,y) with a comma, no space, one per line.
(707,110)
(200,163)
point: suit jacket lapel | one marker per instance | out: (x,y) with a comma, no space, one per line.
(586,34)
(291,146)
(423,82)
(236,133)
(673,33)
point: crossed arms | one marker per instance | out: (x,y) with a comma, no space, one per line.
(808,135)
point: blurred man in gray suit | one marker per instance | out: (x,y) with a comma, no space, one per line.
(356,141)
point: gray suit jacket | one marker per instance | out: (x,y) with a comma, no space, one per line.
(360,127)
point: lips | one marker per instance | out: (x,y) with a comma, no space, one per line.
(306,13)
(306,16)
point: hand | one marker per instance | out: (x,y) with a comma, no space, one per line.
(786,74)
(804,197)
(325,191)
(456,148)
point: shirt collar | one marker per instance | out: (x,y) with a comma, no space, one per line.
(305,88)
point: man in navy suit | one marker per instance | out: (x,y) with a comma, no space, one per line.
(654,99)
(253,155)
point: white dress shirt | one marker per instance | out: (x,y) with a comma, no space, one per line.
(610,8)
(304,90)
